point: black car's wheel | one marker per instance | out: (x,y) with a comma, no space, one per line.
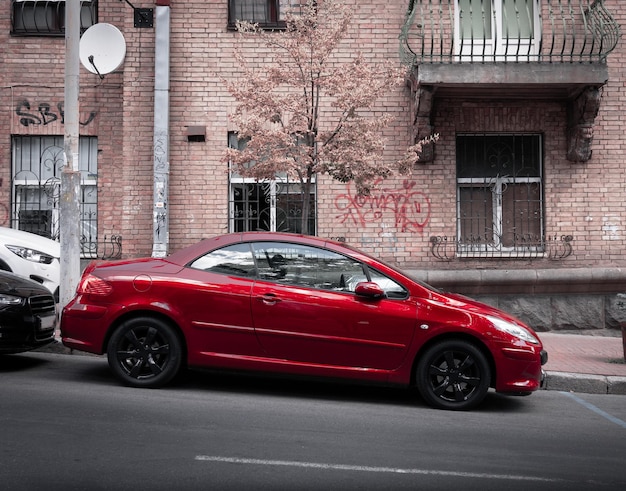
(453,374)
(144,352)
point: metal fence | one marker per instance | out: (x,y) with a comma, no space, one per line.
(480,31)
(554,247)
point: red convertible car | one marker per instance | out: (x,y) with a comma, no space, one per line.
(292,304)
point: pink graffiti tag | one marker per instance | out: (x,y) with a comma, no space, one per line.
(409,207)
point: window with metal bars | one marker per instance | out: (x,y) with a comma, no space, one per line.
(47,17)
(269,14)
(499,194)
(504,29)
(37,163)
(274,205)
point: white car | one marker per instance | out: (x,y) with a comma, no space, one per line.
(31,256)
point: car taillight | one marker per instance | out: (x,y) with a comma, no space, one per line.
(92,285)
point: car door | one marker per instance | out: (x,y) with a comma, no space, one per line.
(216,303)
(304,309)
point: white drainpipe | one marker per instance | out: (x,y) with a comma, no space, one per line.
(161,169)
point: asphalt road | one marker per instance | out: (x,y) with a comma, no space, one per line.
(66,424)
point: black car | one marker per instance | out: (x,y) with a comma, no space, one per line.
(28,316)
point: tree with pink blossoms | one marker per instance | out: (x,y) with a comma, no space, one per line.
(307,112)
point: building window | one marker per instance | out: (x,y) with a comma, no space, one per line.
(275,205)
(497,29)
(47,17)
(266,13)
(37,162)
(499,194)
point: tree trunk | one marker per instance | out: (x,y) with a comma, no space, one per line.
(306,205)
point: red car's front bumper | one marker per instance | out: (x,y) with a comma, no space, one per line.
(519,368)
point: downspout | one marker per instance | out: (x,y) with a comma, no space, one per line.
(161,167)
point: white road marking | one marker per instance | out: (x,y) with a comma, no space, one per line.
(362,468)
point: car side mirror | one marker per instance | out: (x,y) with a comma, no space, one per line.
(369,289)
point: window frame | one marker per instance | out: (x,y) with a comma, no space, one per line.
(53,11)
(272,190)
(275,8)
(494,244)
(496,46)
(42,174)
(271,19)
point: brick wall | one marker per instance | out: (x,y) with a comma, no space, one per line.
(395,222)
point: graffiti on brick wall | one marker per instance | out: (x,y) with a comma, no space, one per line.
(406,205)
(44,114)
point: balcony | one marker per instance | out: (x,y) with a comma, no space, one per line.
(510,49)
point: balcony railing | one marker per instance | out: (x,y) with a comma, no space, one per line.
(481,31)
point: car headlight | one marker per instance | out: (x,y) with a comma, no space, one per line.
(31,254)
(9,300)
(513,329)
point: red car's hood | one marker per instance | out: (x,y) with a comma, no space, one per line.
(476,307)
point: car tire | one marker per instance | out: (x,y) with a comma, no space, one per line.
(145,352)
(453,374)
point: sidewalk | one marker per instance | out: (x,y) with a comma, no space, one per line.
(589,363)
(592,364)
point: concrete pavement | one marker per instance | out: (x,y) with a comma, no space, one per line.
(591,362)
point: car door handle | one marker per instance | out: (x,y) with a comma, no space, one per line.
(269,299)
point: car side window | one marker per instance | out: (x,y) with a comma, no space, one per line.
(235,260)
(310,267)
(391,288)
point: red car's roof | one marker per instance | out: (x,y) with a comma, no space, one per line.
(187,254)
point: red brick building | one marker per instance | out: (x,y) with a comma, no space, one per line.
(520,202)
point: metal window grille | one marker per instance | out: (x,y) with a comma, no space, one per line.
(267,13)
(499,194)
(502,29)
(47,17)
(262,12)
(274,205)
(37,162)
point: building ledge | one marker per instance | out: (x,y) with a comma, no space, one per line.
(579,85)
(510,80)
(526,281)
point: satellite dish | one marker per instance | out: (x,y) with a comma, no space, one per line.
(102,49)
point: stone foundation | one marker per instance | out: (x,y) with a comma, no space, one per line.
(547,300)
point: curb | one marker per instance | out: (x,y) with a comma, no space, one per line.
(585,383)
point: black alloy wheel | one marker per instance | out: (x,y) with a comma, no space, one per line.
(145,352)
(453,374)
